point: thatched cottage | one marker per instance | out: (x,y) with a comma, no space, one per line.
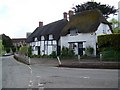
(78,32)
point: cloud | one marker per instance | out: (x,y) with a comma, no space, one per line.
(3,11)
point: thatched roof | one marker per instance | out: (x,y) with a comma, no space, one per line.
(53,28)
(86,22)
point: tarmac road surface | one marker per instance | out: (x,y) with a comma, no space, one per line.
(17,75)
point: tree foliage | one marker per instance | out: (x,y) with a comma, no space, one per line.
(7,43)
(105,9)
(115,25)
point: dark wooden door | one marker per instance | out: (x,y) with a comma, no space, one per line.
(80,48)
(38,50)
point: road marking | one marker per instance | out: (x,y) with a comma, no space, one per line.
(30,85)
(86,77)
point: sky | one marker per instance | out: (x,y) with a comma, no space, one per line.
(20,16)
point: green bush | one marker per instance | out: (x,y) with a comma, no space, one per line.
(89,50)
(110,54)
(67,53)
(45,56)
(29,51)
(7,49)
(110,40)
(24,50)
(13,49)
(53,54)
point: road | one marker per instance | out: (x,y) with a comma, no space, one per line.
(17,75)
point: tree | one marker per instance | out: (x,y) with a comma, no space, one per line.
(7,43)
(105,9)
(115,25)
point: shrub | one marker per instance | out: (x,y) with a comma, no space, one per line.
(89,50)
(7,50)
(44,56)
(110,40)
(29,51)
(13,49)
(110,54)
(66,52)
(24,50)
(53,54)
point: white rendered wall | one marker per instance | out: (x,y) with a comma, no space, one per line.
(88,39)
(103,29)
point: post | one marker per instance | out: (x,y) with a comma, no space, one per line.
(29,60)
(79,58)
(100,56)
(59,60)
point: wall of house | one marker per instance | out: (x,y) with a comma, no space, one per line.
(88,39)
(103,29)
(46,47)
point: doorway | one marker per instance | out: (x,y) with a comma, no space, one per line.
(80,48)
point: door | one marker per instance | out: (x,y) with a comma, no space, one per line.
(80,48)
(38,50)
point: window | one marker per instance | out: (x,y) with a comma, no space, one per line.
(73,32)
(35,39)
(42,38)
(50,37)
(72,45)
(104,32)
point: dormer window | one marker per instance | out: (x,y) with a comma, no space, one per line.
(73,32)
(50,37)
(35,39)
(42,38)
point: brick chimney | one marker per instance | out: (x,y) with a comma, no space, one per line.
(65,15)
(71,13)
(40,24)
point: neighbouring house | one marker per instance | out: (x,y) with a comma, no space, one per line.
(45,39)
(19,41)
(78,32)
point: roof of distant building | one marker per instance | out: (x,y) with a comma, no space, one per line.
(17,40)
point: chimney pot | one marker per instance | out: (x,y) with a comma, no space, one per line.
(40,24)
(65,15)
(71,13)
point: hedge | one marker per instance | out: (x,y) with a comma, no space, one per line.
(110,40)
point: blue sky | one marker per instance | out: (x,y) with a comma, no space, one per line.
(20,16)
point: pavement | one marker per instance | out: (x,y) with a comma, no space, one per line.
(75,63)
